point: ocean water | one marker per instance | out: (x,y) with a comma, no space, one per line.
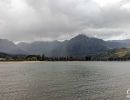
(64,80)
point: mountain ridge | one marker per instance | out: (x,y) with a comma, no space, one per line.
(80,45)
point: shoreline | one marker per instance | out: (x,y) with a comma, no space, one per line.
(54,61)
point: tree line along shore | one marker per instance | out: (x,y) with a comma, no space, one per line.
(100,57)
(122,54)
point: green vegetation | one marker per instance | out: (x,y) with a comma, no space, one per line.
(115,54)
(122,54)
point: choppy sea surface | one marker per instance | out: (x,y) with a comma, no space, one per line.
(64,80)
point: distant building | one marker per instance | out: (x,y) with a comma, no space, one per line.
(33,58)
(2,59)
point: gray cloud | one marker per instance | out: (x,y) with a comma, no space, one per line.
(28,20)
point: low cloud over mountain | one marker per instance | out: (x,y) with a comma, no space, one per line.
(31,20)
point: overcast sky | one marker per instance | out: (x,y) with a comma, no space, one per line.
(29,20)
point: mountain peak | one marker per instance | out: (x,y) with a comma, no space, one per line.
(80,37)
